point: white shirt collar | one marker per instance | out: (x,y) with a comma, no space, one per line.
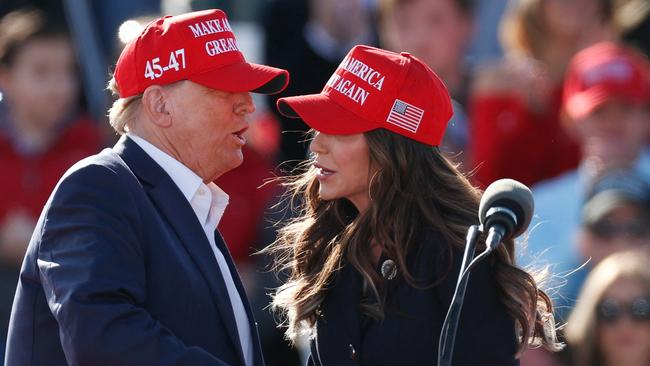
(188,182)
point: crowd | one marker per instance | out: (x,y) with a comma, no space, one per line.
(563,105)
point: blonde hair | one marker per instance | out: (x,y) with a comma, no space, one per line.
(523,31)
(124,110)
(581,329)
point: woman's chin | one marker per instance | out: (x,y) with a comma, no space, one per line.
(326,195)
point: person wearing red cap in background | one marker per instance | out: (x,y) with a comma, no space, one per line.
(372,258)
(606,104)
(125,266)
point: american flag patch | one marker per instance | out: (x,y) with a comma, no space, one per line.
(405,115)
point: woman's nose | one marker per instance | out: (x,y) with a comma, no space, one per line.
(318,144)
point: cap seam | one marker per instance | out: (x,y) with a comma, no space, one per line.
(405,66)
(182,41)
(135,62)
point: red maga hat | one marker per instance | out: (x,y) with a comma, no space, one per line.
(198,46)
(601,72)
(374,88)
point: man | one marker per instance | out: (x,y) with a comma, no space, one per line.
(125,266)
(607,106)
(437,32)
(615,217)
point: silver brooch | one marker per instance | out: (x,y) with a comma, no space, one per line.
(389,269)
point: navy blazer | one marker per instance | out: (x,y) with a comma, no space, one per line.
(119,272)
(409,332)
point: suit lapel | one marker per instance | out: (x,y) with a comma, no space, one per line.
(257,347)
(173,206)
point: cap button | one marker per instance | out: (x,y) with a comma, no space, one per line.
(405,54)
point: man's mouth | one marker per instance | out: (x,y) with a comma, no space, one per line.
(239,136)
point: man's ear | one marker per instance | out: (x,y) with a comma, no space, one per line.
(156,103)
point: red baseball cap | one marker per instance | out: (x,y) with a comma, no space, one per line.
(198,46)
(374,88)
(602,72)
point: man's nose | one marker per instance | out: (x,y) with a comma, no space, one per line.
(245,104)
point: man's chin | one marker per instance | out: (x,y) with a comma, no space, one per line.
(232,163)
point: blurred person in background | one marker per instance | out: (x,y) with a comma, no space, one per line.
(438,33)
(309,38)
(615,216)
(606,105)
(514,105)
(633,22)
(610,325)
(43,130)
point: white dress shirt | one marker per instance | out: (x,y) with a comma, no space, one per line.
(209,203)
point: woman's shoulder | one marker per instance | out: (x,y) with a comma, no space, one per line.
(435,257)
(431,247)
(430,257)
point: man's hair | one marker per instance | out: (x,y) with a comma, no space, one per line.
(124,110)
(20,27)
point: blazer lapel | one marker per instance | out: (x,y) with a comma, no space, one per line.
(257,347)
(341,321)
(179,214)
(348,300)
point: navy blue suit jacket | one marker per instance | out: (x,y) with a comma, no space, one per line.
(409,333)
(119,272)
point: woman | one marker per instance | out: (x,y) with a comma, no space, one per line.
(373,256)
(610,326)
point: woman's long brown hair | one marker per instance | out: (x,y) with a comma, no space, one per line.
(412,187)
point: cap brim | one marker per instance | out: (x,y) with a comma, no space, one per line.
(603,203)
(584,103)
(321,113)
(245,77)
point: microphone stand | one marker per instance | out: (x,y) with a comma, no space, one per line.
(450,325)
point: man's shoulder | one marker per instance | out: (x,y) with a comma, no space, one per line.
(105,163)
(105,169)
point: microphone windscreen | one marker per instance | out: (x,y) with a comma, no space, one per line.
(510,194)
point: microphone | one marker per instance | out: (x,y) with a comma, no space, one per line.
(506,210)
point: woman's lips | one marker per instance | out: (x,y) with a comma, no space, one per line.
(323,172)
